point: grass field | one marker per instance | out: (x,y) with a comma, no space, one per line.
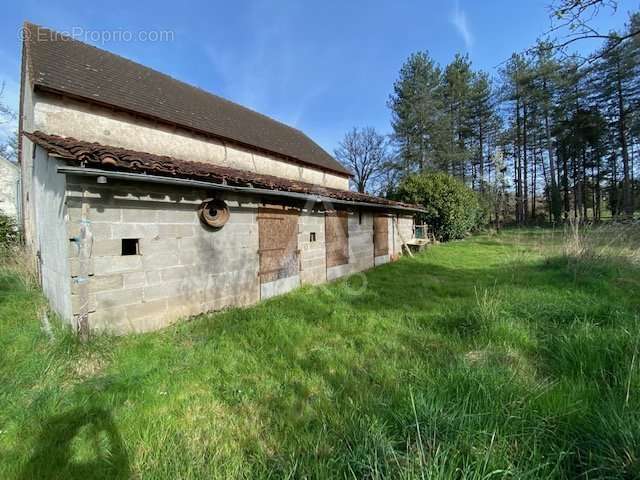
(502,356)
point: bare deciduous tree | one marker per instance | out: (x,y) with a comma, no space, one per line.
(365,152)
(576,17)
(8,146)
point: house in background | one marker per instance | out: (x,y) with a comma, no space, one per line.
(9,187)
(146,200)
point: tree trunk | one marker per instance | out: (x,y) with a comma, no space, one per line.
(565,186)
(577,197)
(546,190)
(555,191)
(519,215)
(583,183)
(627,200)
(614,194)
(525,162)
(598,195)
(534,180)
(481,156)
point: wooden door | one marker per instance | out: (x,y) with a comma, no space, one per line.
(336,228)
(278,231)
(380,235)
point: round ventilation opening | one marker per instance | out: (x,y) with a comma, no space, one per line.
(214,213)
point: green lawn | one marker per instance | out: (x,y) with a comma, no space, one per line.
(485,358)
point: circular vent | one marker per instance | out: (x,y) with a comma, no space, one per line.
(214,213)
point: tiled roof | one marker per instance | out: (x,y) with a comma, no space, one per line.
(118,159)
(67,66)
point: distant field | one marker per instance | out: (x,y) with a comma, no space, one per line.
(511,355)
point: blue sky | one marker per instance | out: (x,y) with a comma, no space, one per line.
(323,67)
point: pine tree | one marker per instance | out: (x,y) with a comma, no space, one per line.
(546,71)
(457,99)
(417,113)
(485,122)
(616,81)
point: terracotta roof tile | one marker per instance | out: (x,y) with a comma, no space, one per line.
(106,157)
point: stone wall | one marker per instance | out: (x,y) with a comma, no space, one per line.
(83,121)
(9,176)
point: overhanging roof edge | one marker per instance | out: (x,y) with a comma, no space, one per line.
(143,177)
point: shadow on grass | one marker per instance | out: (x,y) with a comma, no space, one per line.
(79,444)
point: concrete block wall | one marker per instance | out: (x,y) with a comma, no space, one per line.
(183,267)
(360,246)
(360,241)
(401,228)
(313,257)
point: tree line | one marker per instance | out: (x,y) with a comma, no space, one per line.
(550,137)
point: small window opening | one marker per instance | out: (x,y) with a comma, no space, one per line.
(359,217)
(130,246)
(312,237)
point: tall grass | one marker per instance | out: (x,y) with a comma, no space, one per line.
(480,359)
(589,246)
(16,262)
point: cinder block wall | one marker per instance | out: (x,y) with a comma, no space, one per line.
(183,268)
(360,241)
(313,256)
(360,227)
(402,229)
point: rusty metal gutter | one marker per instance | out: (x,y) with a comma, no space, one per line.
(143,177)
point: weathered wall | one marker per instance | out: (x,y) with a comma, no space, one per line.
(360,241)
(360,246)
(183,268)
(382,259)
(80,120)
(9,175)
(51,242)
(313,258)
(402,229)
(26,162)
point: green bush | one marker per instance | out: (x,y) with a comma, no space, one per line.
(453,209)
(9,231)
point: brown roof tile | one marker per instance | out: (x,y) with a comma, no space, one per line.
(119,159)
(67,66)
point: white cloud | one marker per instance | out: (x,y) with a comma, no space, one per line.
(459,20)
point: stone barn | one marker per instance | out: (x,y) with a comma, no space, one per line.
(146,199)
